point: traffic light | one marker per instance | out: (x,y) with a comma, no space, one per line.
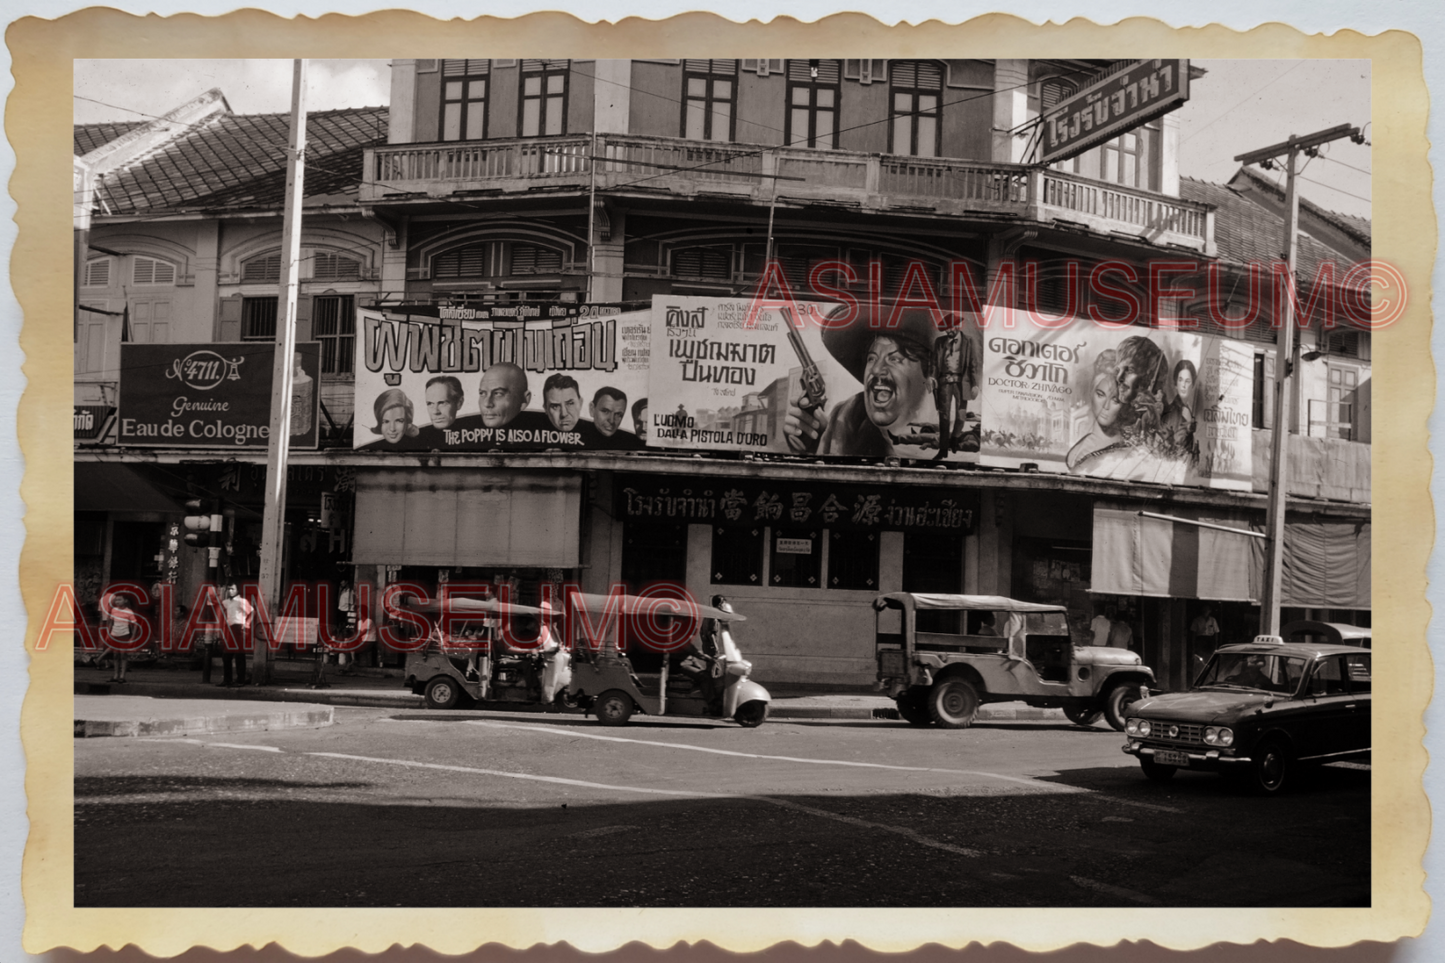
(199,523)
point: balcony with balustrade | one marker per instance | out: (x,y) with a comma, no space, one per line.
(405,175)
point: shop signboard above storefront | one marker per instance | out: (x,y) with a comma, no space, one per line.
(212,395)
(513,376)
(794,505)
(1131,404)
(92,422)
(1113,106)
(812,379)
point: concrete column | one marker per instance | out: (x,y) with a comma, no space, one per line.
(1010,109)
(401,115)
(611,96)
(393,256)
(890,561)
(607,259)
(1169,155)
(205,270)
(995,544)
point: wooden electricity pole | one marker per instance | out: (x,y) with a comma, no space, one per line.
(1286,358)
(278,446)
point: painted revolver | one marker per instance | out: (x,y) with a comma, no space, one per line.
(812,379)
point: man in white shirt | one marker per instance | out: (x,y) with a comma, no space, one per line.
(1204,631)
(238,636)
(1100,627)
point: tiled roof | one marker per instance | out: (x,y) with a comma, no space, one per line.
(1349,223)
(239,161)
(1245,232)
(90,136)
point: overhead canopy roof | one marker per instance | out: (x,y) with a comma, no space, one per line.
(970,603)
(101,487)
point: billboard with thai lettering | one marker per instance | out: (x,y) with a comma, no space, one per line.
(814,379)
(507,376)
(1131,403)
(1111,106)
(212,395)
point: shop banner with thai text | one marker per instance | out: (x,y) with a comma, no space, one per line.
(1132,404)
(214,394)
(727,376)
(508,376)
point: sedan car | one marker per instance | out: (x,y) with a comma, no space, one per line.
(1258,711)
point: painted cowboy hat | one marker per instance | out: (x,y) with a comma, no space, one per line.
(849,345)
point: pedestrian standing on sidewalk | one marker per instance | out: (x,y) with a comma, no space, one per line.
(122,630)
(1120,634)
(238,640)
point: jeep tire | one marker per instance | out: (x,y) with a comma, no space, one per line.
(953,703)
(1118,699)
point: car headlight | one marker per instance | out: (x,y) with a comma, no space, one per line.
(1218,736)
(1144,727)
(1226,736)
(1131,726)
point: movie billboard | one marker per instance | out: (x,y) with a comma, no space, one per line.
(514,376)
(213,394)
(1131,404)
(832,380)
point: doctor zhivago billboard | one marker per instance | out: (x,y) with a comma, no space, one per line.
(813,379)
(1130,403)
(510,376)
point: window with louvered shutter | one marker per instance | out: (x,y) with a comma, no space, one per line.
(1054,92)
(712,263)
(914,103)
(531,66)
(544,97)
(531,259)
(1343,344)
(812,118)
(97,273)
(333,267)
(470,261)
(148,270)
(709,92)
(260,270)
(465,85)
(466,68)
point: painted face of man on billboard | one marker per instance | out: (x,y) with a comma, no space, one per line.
(639,418)
(563,401)
(504,394)
(443,398)
(895,382)
(608,407)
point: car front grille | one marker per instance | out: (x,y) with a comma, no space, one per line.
(1176,733)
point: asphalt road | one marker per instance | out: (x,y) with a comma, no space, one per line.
(496,809)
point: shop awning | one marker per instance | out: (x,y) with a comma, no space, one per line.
(1326,563)
(455,517)
(101,487)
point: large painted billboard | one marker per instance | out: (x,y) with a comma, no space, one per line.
(825,379)
(519,376)
(1132,404)
(212,394)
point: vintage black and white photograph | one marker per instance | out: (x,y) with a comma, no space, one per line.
(779,483)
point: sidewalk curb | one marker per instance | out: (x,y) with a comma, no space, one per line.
(985,713)
(259,721)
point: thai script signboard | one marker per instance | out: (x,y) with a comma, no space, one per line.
(1118,103)
(1131,403)
(509,376)
(212,395)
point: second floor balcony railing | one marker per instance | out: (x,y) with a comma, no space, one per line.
(630,163)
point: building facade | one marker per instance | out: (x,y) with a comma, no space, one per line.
(524,184)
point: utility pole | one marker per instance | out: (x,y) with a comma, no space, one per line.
(1286,359)
(278,445)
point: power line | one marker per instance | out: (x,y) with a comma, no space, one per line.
(1336,189)
(1231,110)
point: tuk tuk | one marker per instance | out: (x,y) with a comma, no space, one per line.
(1326,633)
(1007,651)
(474,665)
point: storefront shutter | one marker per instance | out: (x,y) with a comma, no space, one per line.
(453,518)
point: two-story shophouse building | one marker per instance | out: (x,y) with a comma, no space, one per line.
(564,191)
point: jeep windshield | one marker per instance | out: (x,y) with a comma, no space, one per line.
(1253,670)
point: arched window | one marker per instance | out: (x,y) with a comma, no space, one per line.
(490,259)
(334,267)
(916,87)
(97,273)
(263,269)
(152,271)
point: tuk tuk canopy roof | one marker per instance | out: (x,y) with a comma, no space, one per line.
(593,604)
(988,603)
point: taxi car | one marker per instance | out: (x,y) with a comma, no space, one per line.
(1258,711)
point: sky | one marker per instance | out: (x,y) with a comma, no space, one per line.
(1238,106)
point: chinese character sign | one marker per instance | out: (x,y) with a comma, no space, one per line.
(1133,404)
(513,376)
(813,379)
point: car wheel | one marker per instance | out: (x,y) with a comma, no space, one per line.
(443,693)
(1156,772)
(613,708)
(952,704)
(1271,768)
(750,715)
(1121,697)
(1083,717)
(913,707)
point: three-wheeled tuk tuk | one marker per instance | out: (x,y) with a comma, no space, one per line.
(1008,651)
(473,664)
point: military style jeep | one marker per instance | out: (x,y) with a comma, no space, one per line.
(1008,651)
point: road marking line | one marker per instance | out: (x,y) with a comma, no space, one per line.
(912,834)
(1118,891)
(238,745)
(1024,780)
(521,775)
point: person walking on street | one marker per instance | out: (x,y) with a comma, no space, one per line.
(238,636)
(123,629)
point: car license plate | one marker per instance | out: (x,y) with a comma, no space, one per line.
(1166,758)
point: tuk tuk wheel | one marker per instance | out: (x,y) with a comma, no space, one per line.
(1083,717)
(613,708)
(953,703)
(750,715)
(443,693)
